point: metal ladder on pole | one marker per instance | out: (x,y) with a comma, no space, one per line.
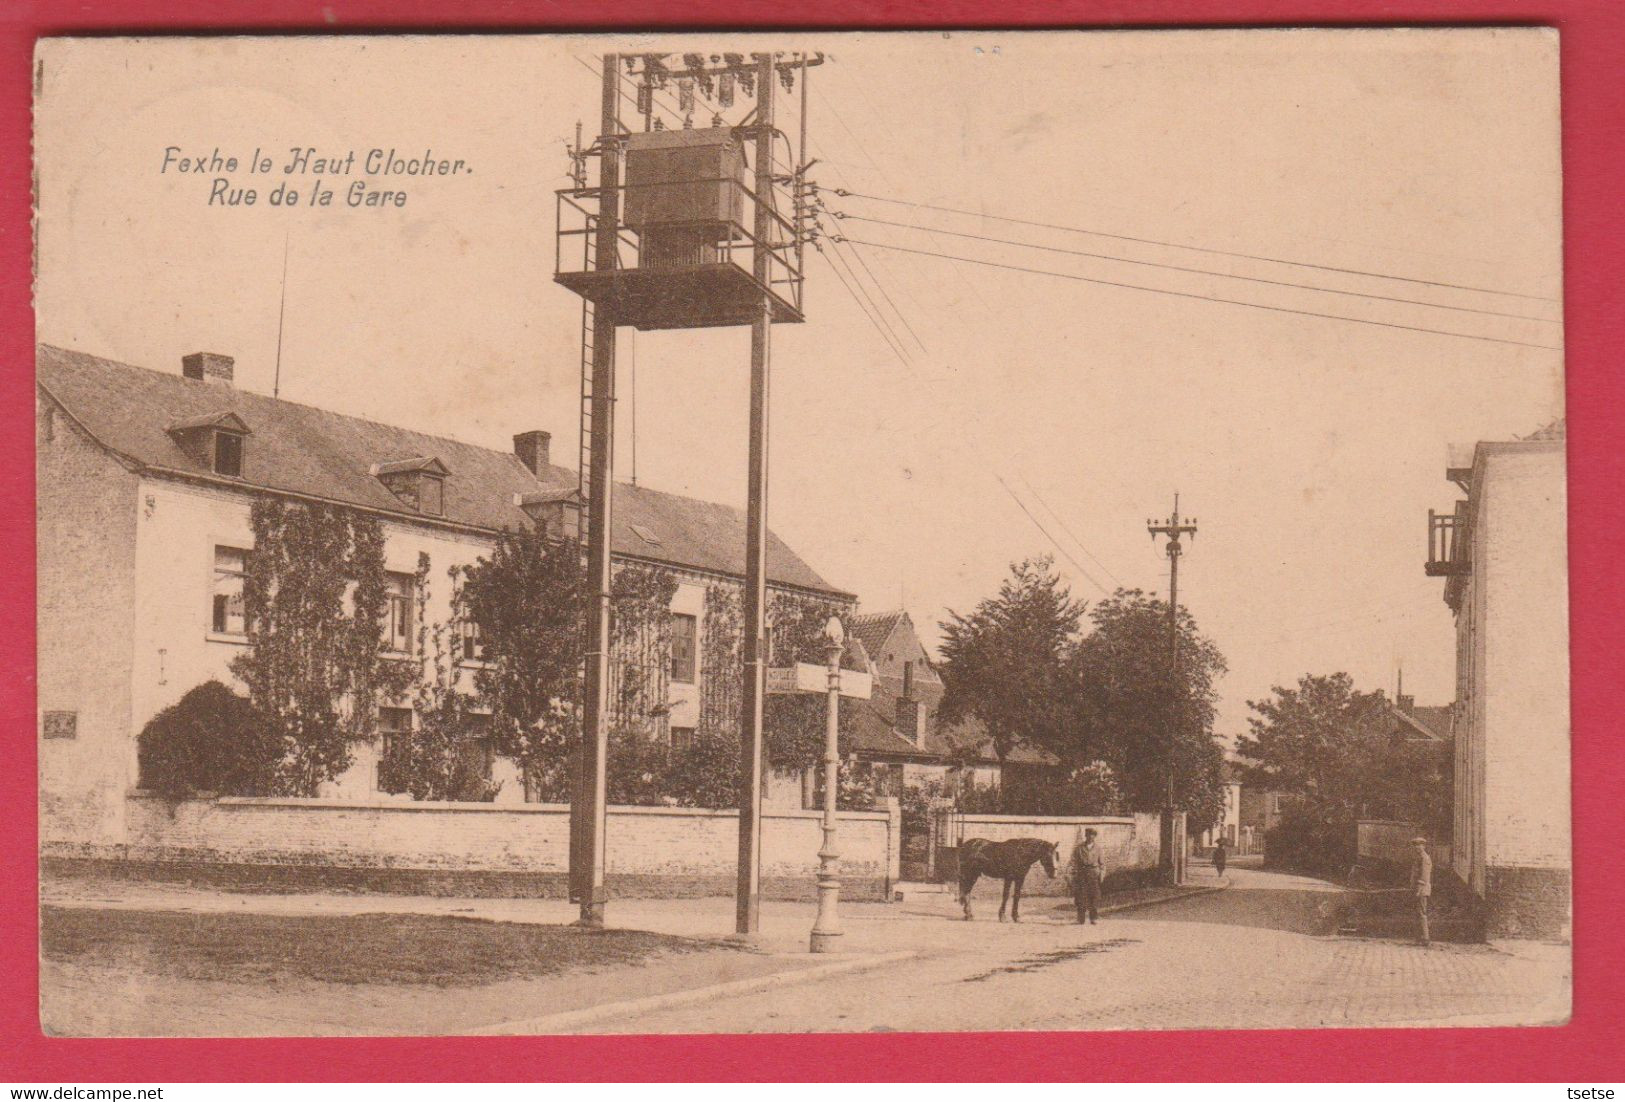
(584,470)
(588,314)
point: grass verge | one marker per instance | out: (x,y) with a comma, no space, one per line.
(349,949)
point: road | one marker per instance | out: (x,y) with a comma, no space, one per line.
(1258,954)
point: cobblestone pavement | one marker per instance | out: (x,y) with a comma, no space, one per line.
(1258,955)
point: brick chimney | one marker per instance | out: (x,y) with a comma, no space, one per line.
(210,366)
(532,450)
(910,715)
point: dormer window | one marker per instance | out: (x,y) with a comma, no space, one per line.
(214,441)
(228,454)
(420,482)
(556,512)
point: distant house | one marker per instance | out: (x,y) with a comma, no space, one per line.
(901,735)
(1502,553)
(1260,811)
(1229,825)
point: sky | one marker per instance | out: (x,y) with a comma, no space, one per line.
(1019,414)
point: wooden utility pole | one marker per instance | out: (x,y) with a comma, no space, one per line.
(1174,528)
(747,899)
(587,810)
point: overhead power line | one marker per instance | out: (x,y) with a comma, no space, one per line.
(866,304)
(1056,543)
(1038,497)
(1194,271)
(1202,298)
(845,193)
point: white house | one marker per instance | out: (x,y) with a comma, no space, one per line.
(146,480)
(1503,554)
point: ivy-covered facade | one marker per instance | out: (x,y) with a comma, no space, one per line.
(328,579)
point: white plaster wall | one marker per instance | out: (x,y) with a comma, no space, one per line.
(177,530)
(1524,645)
(85,574)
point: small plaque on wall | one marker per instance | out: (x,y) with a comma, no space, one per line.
(61,724)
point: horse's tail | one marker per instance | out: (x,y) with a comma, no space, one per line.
(970,863)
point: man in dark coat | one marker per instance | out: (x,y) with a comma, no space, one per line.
(1220,855)
(1088,870)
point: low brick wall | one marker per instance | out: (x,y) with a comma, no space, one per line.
(1128,842)
(482,849)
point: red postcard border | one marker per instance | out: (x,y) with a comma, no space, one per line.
(1589,1048)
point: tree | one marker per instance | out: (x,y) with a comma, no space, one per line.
(640,641)
(527,600)
(1127,711)
(1323,742)
(211,740)
(1004,664)
(1333,748)
(1330,747)
(314,594)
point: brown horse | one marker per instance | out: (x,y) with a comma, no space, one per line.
(1009,861)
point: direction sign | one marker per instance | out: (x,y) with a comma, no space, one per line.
(810,677)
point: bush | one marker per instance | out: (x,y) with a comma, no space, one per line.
(1304,842)
(442,757)
(705,773)
(650,772)
(211,740)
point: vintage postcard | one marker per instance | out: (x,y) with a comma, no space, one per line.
(777,533)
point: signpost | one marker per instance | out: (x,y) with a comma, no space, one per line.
(810,677)
(834,682)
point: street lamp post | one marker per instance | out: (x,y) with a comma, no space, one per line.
(826,931)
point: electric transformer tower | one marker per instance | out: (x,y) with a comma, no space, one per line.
(1174,528)
(696,235)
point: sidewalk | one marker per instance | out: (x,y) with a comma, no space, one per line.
(921,923)
(141,995)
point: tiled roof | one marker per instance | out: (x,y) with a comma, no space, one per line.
(1435,718)
(876,730)
(304,450)
(1419,723)
(874,628)
(873,732)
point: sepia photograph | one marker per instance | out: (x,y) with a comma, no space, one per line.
(853,532)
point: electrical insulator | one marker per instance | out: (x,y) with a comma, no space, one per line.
(725,89)
(685,95)
(646,98)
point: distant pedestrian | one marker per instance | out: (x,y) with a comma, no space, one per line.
(1422,882)
(1220,856)
(1088,870)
